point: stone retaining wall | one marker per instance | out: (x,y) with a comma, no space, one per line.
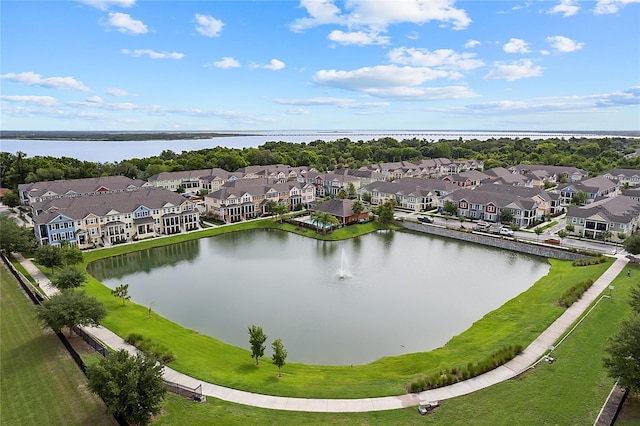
(493,241)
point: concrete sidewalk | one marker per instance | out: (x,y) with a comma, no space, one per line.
(513,368)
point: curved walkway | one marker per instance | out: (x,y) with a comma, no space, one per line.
(513,368)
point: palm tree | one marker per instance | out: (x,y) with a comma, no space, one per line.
(325,219)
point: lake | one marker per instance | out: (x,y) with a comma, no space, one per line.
(114,151)
(331,303)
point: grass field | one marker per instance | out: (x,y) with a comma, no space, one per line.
(570,391)
(517,322)
(39,382)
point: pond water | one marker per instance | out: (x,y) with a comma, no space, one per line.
(332,303)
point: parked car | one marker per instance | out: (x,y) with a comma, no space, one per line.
(552,241)
(425,219)
(506,232)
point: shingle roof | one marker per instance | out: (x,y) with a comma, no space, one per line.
(80,186)
(620,209)
(338,207)
(123,202)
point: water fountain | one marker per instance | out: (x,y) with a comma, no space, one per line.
(343,270)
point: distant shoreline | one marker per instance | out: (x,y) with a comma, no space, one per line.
(105,136)
(113,136)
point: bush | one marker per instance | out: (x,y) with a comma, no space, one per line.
(456,374)
(588,262)
(574,293)
(159,352)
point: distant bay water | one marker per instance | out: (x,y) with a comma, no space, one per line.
(114,151)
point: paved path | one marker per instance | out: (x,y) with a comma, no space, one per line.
(532,354)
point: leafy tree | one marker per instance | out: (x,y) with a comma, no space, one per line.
(131,386)
(70,308)
(121,291)
(323,219)
(49,255)
(623,361)
(70,277)
(342,194)
(10,198)
(269,205)
(538,231)
(632,243)
(366,197)
(180,189)
(450,207)
(606,235)
(13,237)
(506,215)
(279,355)
(280,209)
(72,255)
(386,211)
(562,233)
(357,208)
(579,198)
(351,190)
(256,340)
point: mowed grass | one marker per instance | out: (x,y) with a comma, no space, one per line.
(569,392)
(39,382)
(518,322)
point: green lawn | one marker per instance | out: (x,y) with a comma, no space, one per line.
(569,392)
(519,321)
(39,382)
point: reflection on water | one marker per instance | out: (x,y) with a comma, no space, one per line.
(405,292)
(144,260)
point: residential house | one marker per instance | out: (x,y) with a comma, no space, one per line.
(468,179)
(552,173)
(329,184)
(606,218)
(415,194)
(247,199)
(41,191)
(192,181)
(595,188)
(113,218)
(477,204)
(342,209)
(624,177)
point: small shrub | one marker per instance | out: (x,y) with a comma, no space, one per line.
(588,262)
(574,293)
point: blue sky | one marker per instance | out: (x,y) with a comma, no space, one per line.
(320,65)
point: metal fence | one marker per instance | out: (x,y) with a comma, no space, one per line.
(194,394)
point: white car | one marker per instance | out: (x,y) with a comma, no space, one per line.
(506,232)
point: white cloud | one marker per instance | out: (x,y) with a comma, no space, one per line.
(337,102)
(359,38)
(33,79)
(125,24)
(604,7)
(380,14)
(105,4)
(516,45)
(391,81)
(296,111)
(563,44)
(153,54)
(470,44)
(565,7)
(117,92)
(274,65)
(46,101)
(441,58)
(630,96)
(208,26)
(523,68)
(95,100)
(226,62)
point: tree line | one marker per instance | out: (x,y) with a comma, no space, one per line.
(595,155)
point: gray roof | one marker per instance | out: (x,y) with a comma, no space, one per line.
(122,202)
(520,191)
(592,185)
(500,199)
(252,187)
(81,186)
(554,170)
(625,173)
(191,175)
(620,209)
(338,207)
